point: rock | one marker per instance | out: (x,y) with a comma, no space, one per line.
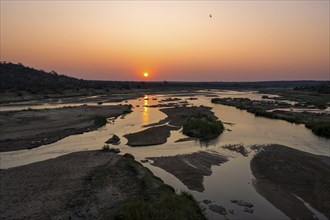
(231,211)
(185,139)
(218,209)
(248,210)
(170,99)
(237,148)
(242,203)
(150,136)
(206,201)
(144,161)
(115,140)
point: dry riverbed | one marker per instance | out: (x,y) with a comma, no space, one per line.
(32,128)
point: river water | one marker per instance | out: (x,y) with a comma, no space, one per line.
(231,180)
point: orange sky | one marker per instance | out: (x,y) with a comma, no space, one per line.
(243,41)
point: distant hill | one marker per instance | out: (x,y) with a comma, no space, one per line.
(17,77)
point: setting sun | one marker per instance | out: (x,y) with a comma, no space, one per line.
(145,74)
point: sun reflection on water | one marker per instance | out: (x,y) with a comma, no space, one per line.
(145,116)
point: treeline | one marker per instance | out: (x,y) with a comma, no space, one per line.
(323,87)
(17,77)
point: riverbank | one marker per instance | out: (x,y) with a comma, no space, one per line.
(94,185)
(32,128)
(285,177)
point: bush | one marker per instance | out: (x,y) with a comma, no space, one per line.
(107,148)
(321,128)
(115,140)
(202,127)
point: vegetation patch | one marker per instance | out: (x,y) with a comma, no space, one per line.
(319,123)
(107,148)
(321,128)
(202,126)
(168,206)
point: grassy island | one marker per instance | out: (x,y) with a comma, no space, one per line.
(202,126)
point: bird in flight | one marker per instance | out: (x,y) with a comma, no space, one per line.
(210,16)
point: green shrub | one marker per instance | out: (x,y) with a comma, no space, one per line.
(202,127)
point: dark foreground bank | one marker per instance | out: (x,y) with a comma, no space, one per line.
(90,185)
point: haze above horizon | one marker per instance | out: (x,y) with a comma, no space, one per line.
(169,40)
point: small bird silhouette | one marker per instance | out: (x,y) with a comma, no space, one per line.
(210,16)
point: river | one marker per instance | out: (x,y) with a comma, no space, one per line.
(231,180)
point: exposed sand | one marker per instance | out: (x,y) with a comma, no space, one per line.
(81,185)
(150,136)
(283,173)
(160,131)
(190,169)
(46,189)
(92,96)
(33,128)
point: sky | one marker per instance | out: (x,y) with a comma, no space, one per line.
(171,40)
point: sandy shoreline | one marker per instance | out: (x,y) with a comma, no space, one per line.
(32,128)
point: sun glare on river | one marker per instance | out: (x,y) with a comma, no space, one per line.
(145,116)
